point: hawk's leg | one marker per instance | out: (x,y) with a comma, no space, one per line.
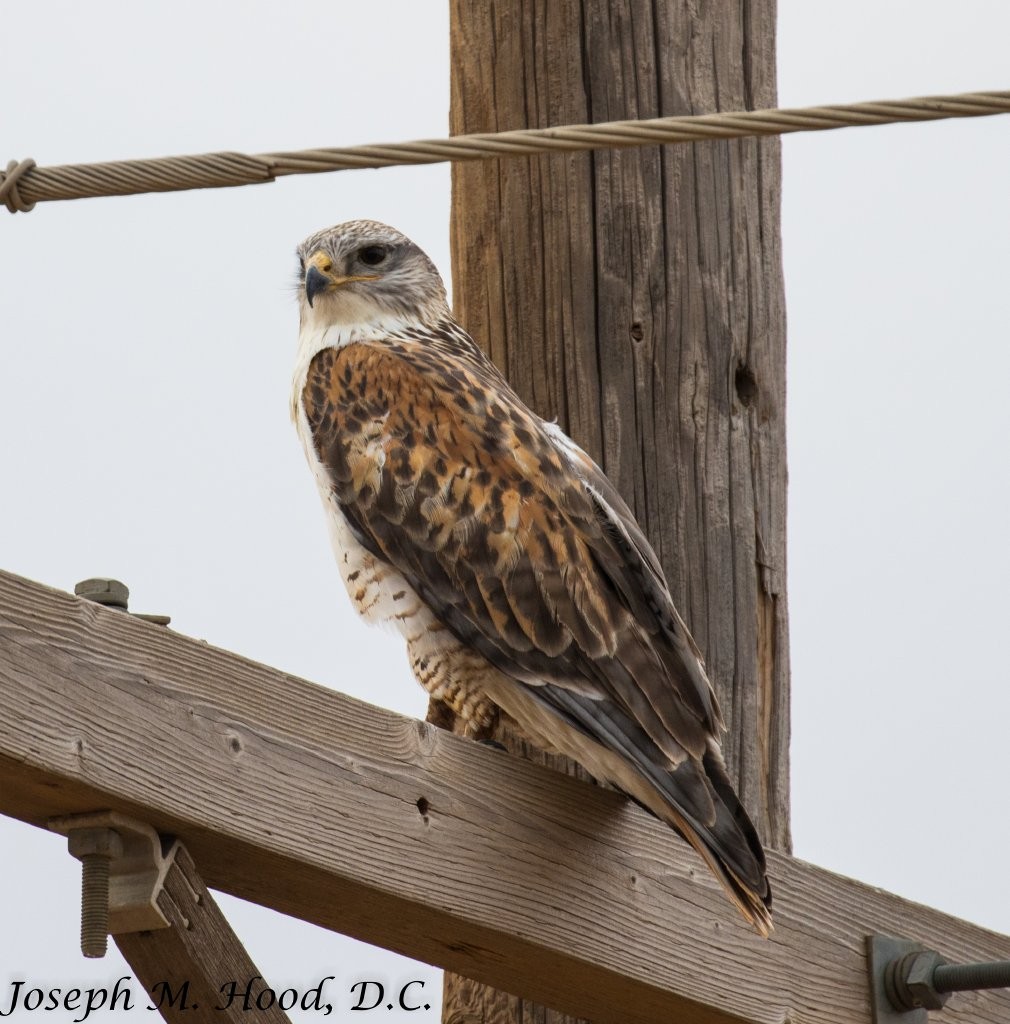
(440,715)
(452,674)
(482,729)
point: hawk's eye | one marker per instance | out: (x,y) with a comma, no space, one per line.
(372,255)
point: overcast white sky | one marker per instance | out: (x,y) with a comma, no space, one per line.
(146,346)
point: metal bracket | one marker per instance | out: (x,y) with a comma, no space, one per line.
(907,980)
(882,951)
(124,869)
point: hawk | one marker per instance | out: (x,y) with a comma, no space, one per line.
(517,575)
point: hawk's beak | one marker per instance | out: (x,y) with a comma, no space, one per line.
(319,276)
(315,282)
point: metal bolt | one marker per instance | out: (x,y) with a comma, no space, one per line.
(114,594)
(924,979)
(95,849)
(104,591)
(960,977)
(94,905)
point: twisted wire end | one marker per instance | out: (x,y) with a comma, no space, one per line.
(9,194)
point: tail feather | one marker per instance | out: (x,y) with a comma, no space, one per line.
(733,851)
(727,841)
(695,797)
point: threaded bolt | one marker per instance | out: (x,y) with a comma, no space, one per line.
(95,848)
(961,977)
(94,905)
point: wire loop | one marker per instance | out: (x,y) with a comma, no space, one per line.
(9,194)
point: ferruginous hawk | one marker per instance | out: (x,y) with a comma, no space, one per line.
(514,570)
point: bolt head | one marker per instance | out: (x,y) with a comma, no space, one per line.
(104,591)
(919,980)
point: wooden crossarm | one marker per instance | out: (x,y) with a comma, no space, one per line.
(387,829)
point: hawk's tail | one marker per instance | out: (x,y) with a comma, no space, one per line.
(726,840)
(695,796)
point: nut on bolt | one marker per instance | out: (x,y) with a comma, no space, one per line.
(101,590)
(909,981)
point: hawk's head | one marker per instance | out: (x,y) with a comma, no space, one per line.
(364,271)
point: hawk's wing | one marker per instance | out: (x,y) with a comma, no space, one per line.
(520,545)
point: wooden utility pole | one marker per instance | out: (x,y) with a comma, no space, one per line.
(637,296)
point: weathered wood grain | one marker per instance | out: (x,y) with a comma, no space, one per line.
(403,835)
(196,958)
(637,296)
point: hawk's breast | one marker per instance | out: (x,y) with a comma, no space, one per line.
(377,590)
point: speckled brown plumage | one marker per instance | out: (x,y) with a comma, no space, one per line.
(516,573)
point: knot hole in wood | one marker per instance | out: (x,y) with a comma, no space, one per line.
(746,384)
